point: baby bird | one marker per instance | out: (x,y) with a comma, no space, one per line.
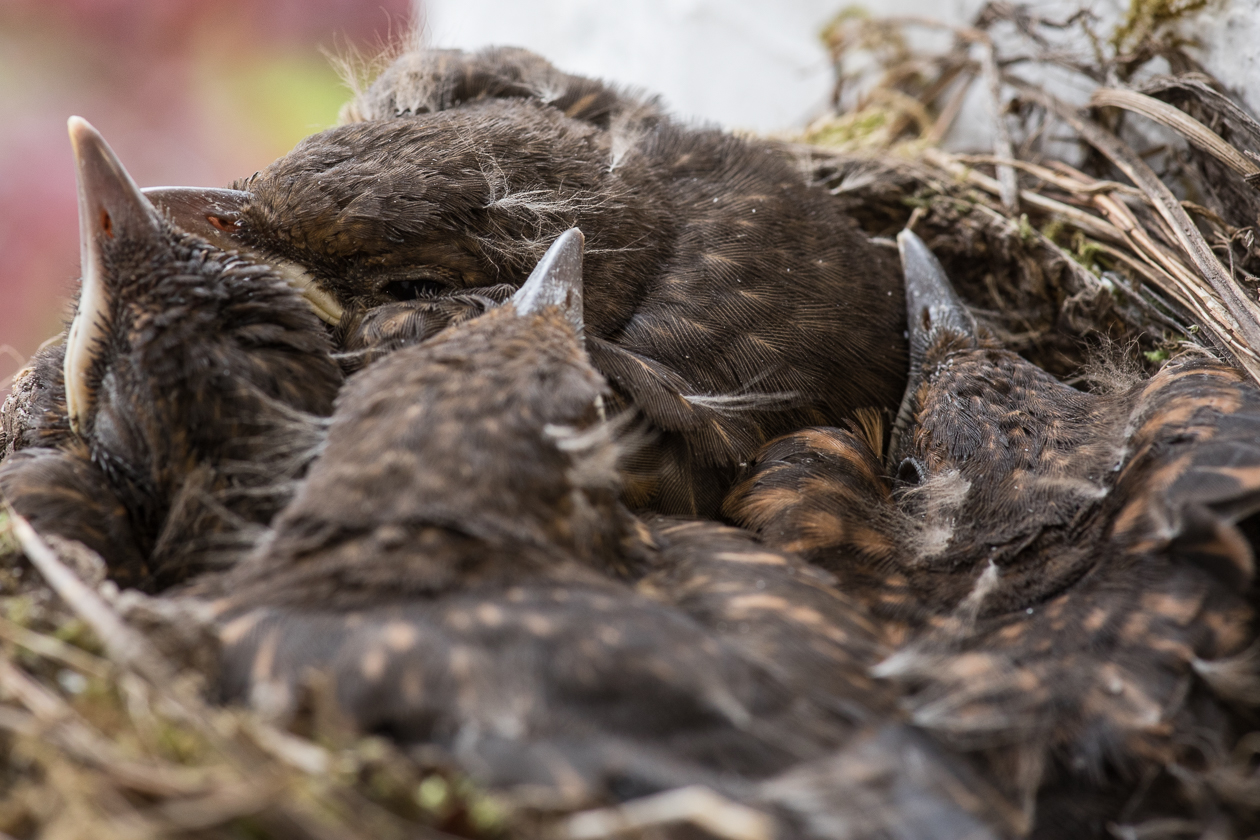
(887,778)
(458,565)
(1076,567)
(34,413)
(425,81)
(727,300)
(452,558)
(188,396)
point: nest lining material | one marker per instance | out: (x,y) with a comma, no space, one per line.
(1145,243)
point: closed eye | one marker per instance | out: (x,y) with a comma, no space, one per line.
(415,289)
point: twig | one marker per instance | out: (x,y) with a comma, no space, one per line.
(53,720)
(1245,320)
(697,805)
(945,120)
(1135,294)
(1173,277)
(1067,183)
(1206,93)
(227,802)
(123,644)
(1003,148)
(1179,121)
(53,648)
(1086,223)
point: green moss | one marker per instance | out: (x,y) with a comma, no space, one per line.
(433,794)
(1054,231)
(1145,18)
(20,610)
(78,634)
(831,29)
(180,744)
(1026,231)
(1086,252)
(486,816)
(8,544)
(852,130)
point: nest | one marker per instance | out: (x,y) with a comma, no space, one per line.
(1127,227)
(1131,222)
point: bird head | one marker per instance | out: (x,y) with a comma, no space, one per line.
(480,451)
(1002,465)
(180,355)
(437,204)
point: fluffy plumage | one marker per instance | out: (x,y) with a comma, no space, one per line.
(1073,564)
(425,81)
(367,335)
(460,569)
(727,300)
(34,413)
(188,398)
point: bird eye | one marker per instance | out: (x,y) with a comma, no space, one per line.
(414,289)
(224,223)
(911,472)
(107,224)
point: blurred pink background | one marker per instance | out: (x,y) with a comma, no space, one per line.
(186,92)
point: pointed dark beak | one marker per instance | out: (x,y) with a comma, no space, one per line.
(215,215)
(212,214)
(556,280)
(111,210)
(932,308)
(931,302)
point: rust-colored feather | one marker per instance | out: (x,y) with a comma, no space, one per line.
(1072,562)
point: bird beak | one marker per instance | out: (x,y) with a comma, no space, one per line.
(556,280)
(932,306)
(212,214)
(111,210)
(215,215)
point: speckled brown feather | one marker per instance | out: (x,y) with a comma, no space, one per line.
(60,491)
(823,494)
(1105,620)
(451,561)
(886,779)
(364,336)
(34,413)
(1074,562)
(460,590)
(433,459)
(205,388)
(786,615)
(727,300)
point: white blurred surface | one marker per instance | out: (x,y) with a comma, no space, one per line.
(752,64)
(1230,35)
(758,64)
